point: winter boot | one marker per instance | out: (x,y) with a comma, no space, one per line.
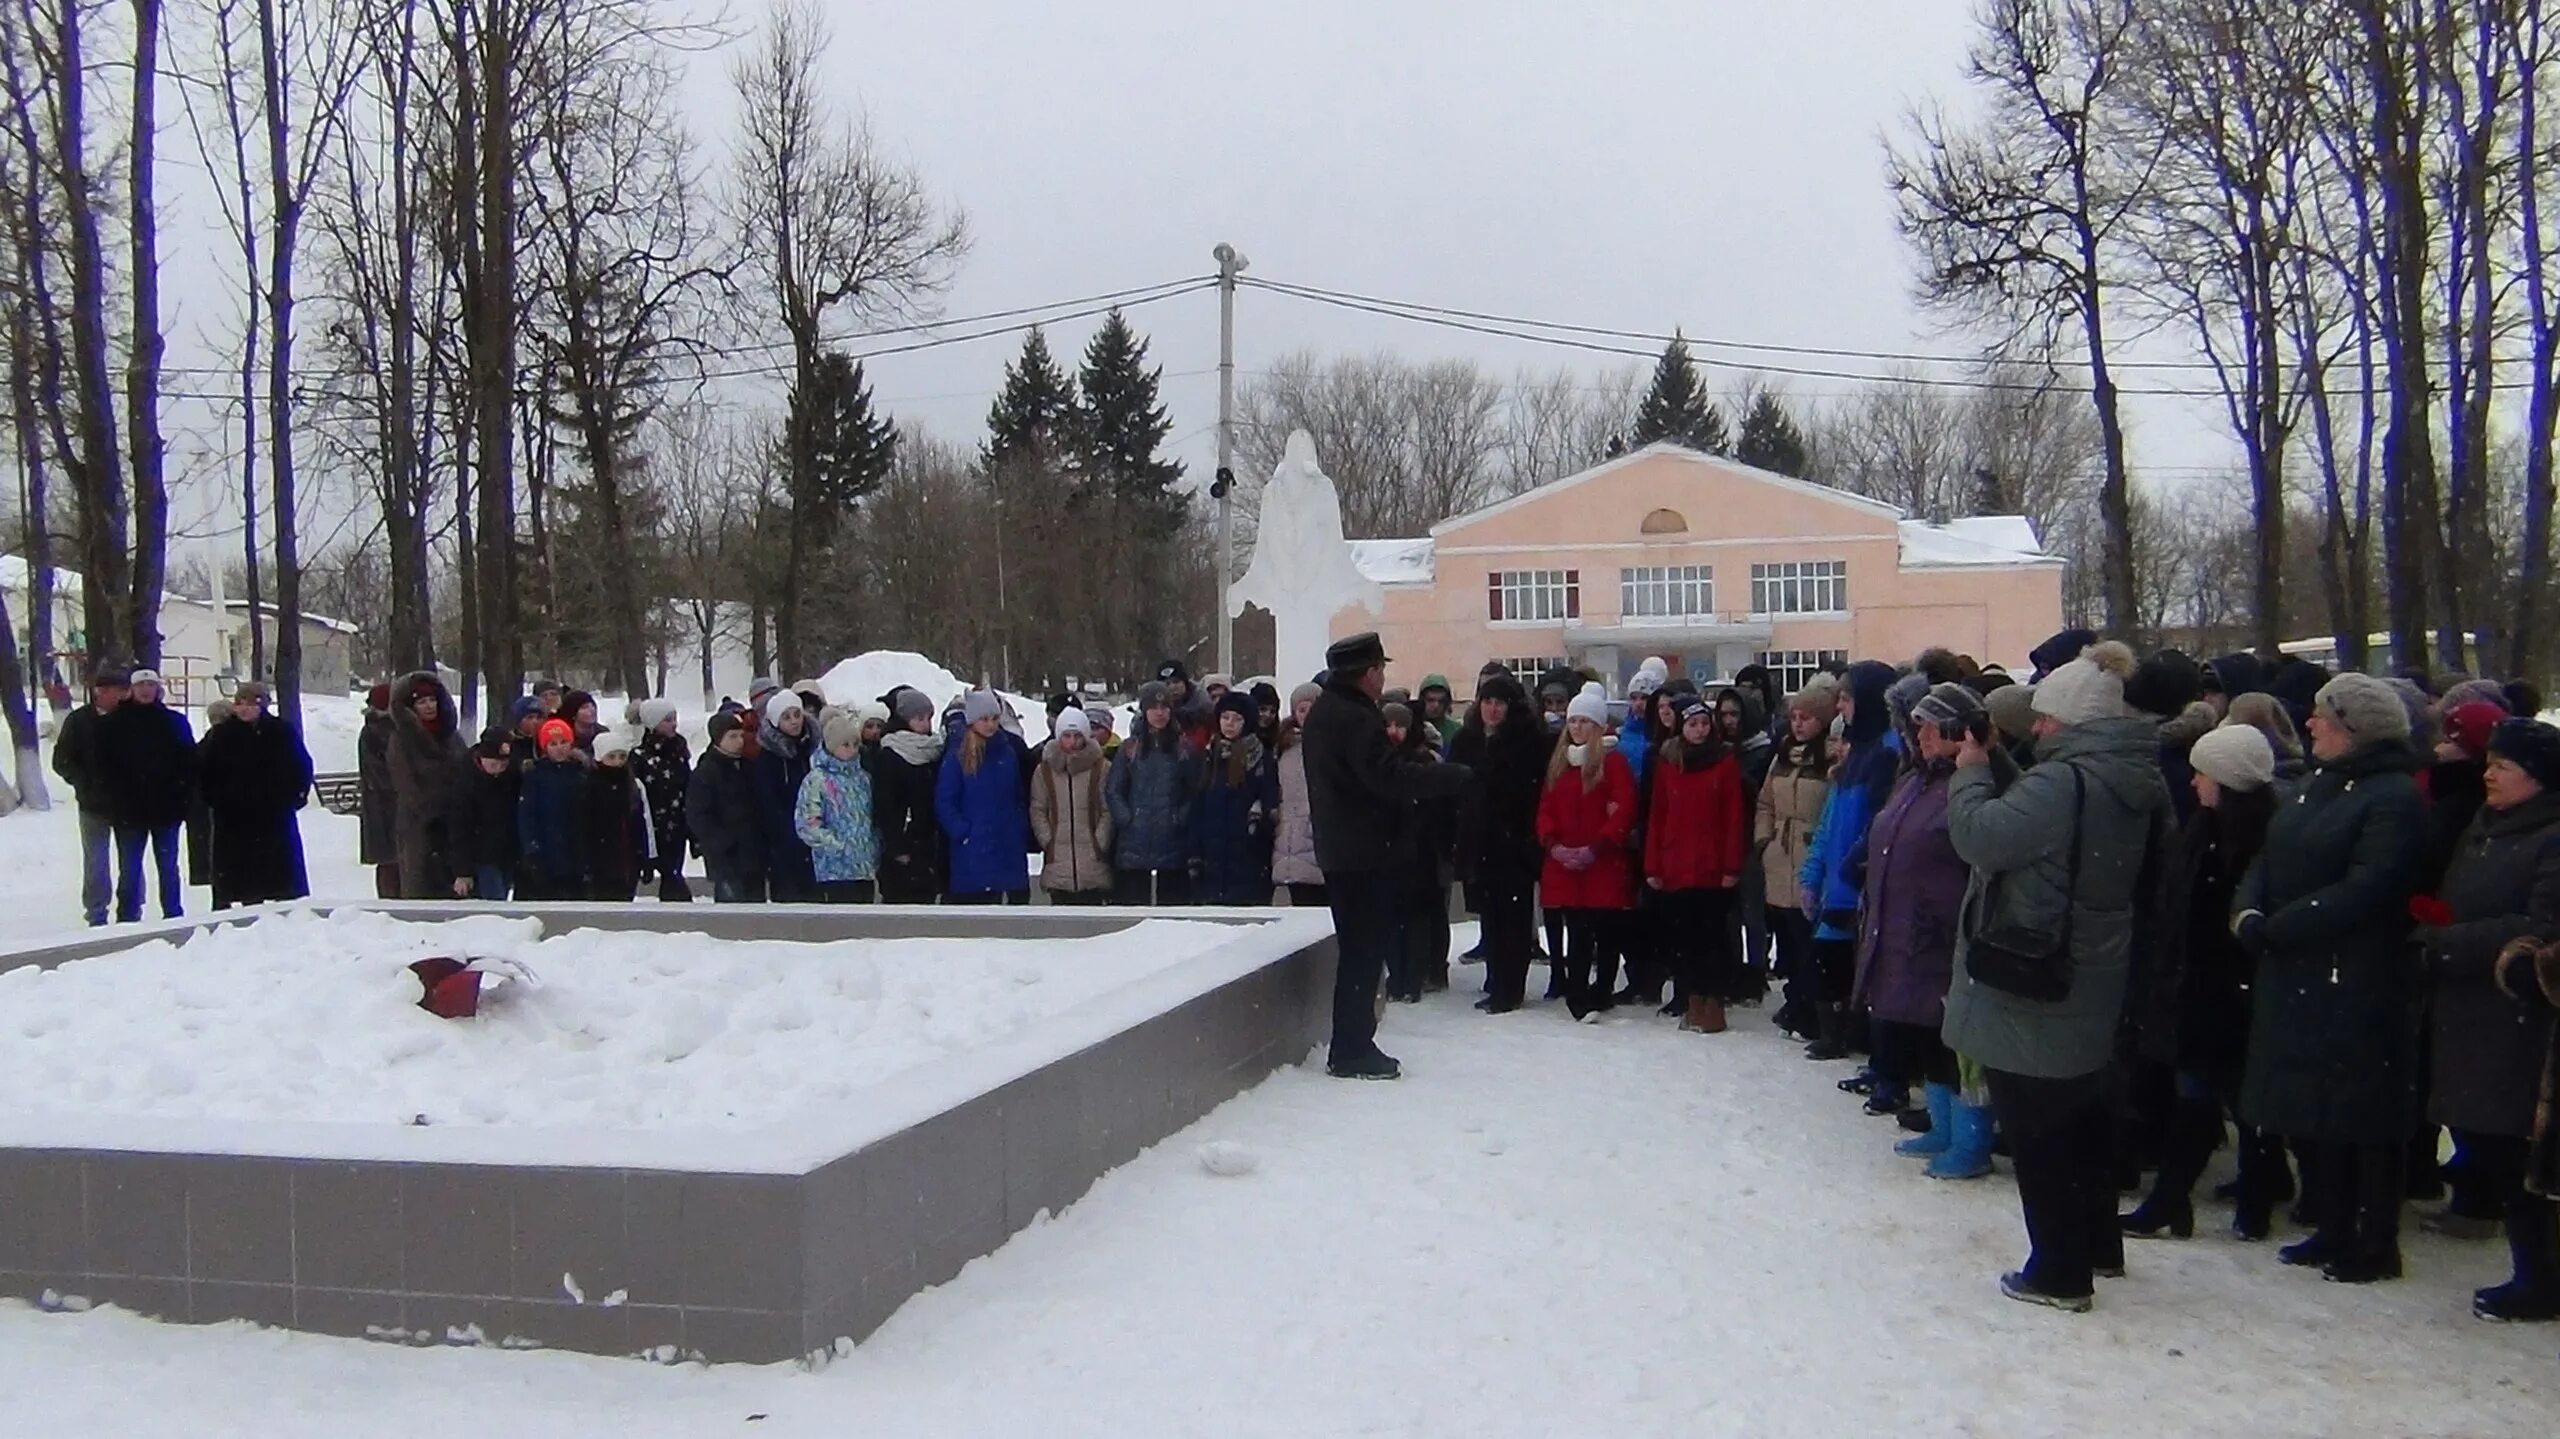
(2533,1245)
(1832,1036)
(1704,1016)
(1942,1124)
(1968,1152)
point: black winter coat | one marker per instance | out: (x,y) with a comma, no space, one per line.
(2503,884)
(552,833)
(1233,825)
(2333,1038)
(781,763)
(1497,843)
(1357,783)
(150,757)
(79,756)
(2193,1009)
(911,860)
(721,809)
(664,767)
(618,834)
(484,821)
(255,775)
(2455,791)
(377,834)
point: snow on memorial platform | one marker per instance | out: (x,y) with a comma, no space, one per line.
(731,1132)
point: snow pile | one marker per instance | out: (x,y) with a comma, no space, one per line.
(866,677)
(300,1017)
(1995,540)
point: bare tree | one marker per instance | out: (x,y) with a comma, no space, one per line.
(2017,215)
(1563,423)
(835,228)
(2529,41)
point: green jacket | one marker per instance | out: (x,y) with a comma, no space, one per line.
(2019,840)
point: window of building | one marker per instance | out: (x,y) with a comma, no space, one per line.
(1666,591)
(1665,522)
(1527,668)
(1796,668)
(1528,596)
(1800,587)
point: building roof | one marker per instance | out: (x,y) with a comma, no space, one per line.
(66,584)
(1977,542)
(1393,562)
(1767,477)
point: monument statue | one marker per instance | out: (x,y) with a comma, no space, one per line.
(1303,571)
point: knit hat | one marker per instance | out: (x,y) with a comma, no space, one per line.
(652,713)
(2470,725)
(2235,756)
(1813,701)
(492,743)
(725,722)
(1217,682)
(783,703)
(2089,688)
(2419,707)
(1309,694)
(1592,704)
(980,705)
(2531,746)
(2013,710)
(2523,699)
(612,742)
(1823,689)
(555,731)
(2165,684)
(1151,695)
(1694,706)
(1649,677)
(1949,707)
(840,727)
(546,686)
(2368,709)
(1072,721)
(761,686)
(1902,694)
(1396,712)
(2474,691)
(1172,670)
(871,712)
(1099,719)
(912,705)
(110,672)
(1240,704)
(2060,650)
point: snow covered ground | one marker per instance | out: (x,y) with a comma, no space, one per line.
(1545,1229)
(301,1018)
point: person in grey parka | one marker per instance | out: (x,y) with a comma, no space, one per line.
(2059,852)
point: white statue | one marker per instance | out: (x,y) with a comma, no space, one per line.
(1302,571)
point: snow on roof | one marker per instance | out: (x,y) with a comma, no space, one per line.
(1394,562)
(1979,541)
(66,585)
(1665,447)
(13,575)
(325,622)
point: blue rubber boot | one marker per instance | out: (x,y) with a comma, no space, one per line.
(1969,1156)
(1942,1124)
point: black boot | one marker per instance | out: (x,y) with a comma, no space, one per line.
(2379,1182)
(2194,1133)
(2533,1246)
(1831,1039)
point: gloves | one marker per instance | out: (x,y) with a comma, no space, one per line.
(2250,928)
(1575,859)
(2429,911)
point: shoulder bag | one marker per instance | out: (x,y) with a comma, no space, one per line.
(2029,963)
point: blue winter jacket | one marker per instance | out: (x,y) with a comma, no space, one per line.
(1635,742)
(1232,827)
(551,814)
(1154,786)
(986,817)
(834,819)
(781,763)
(1860,784)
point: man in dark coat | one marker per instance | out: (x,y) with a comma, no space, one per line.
(720,806)
(256,775)
(426,762)
(377,824)
(150,754)
(80,758)
(1356,789)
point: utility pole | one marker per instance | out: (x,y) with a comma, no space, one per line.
(1223,488)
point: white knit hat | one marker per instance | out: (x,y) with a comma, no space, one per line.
(612,742)
(652,713)
(2235,756)
(2365,707)
(1073,722)
(1650,677)
(2088,688)
(783,703)
(1592,704)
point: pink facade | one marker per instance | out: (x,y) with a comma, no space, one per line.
(1711,565)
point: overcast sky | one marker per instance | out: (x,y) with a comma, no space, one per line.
(1710,164)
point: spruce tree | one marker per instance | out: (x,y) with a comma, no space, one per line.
(1677,408)
(1034,417)
(1769,438)
(851,444)
(1121,424)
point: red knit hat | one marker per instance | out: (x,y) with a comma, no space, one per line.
(555,731)
(2469,726)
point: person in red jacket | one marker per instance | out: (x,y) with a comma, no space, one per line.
(1693,858)
(1585,819)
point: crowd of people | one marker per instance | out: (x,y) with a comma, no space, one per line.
(2106,919)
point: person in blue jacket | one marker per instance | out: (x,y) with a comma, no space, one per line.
(784,743)
(1239,803)
(1832,872)
(983,801)
(552,836)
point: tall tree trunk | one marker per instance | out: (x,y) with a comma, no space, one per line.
(31,470)
(284,223)
(2542,411)
(493,358)
(142,365)
(2411,536)
(106,592)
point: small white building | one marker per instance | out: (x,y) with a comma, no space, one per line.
(203,651)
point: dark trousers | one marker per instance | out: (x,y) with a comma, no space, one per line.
(1644,942)
(1306,896)
(672,888)
(163,843)
(990,897)
(1835,961)
(1079,898)
(1794,935)
(1554,926)
(1591,950)
(2477,1179)
(747,889)
(1752,900)
(1909,1054)
(896,889)
(846,891)
(1364,930)
(97,870)
(1421,956)
(1693,932)
(2356,1193)
(1157,888)
(2061,1142)
(1510,932)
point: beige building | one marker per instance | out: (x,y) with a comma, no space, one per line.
(1711,565)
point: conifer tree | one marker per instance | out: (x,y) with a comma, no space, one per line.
(1677,408)
(1770,439)
(1121,425)
(853,445)
(1034,418)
